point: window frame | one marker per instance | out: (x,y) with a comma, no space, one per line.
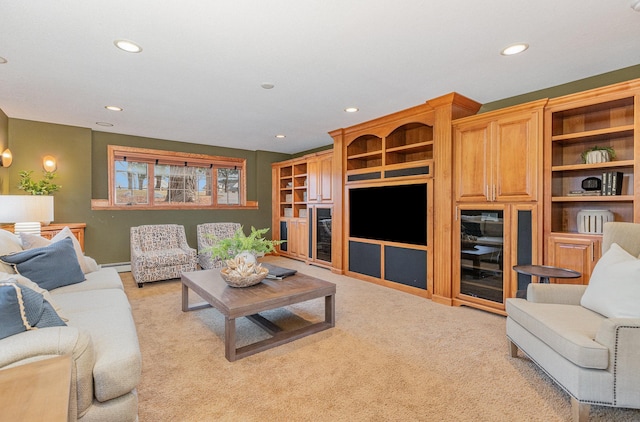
(154,156)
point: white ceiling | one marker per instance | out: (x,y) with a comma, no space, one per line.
(198,78)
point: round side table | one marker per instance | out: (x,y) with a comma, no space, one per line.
(545,272)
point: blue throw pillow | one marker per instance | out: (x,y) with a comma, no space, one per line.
(23,309)
(51,266)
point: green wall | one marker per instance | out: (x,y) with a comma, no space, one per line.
(82,172)
(609,78)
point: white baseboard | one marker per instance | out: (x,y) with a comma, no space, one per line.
(121,267)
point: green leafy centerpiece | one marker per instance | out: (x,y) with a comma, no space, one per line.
(42,187)
(240,255)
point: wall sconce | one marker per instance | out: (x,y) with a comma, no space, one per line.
(6,158)
(49,163)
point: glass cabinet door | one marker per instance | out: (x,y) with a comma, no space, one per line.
(482,254)
(323,234)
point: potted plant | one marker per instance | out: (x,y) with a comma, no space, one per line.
(249,246)
(598,154)
(43,187)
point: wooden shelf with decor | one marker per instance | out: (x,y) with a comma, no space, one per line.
(606,117)
(52,229)
(303,188)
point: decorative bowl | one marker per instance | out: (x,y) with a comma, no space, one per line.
(235,279)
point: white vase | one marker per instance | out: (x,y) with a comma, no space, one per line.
(248,257)
(598,156)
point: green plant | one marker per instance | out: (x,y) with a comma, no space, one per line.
(255,243)
(43,187)
(612,153)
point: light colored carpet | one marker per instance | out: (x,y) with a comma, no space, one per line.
(391,357)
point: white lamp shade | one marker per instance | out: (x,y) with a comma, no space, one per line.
(26,208)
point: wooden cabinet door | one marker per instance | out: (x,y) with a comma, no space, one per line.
(319,188)
(471,175)
(574,253)
(326,181)
(298,238)
(515,158)
(313,185)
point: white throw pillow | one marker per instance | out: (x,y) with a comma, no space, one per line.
(30,241)
(614,287)
(9,243)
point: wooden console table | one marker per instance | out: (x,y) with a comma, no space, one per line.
(37,391)
(54,228)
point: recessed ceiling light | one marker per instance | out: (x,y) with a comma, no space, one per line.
(113,108)
(3,60)
(104,124)
(267,85)
(351,109)
(281,136)
(128,46)
(514,49)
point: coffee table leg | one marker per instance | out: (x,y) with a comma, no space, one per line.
(185,298)
(330,310)
(230,339)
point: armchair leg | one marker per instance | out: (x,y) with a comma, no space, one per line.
(513,349)
(579,411)
(140,285)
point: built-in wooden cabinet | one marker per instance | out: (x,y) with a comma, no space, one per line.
(604,117)
(498,155)
(300,186)
(497,190)
(396,175)
(575,252)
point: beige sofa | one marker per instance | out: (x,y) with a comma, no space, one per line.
(587,338)
(100,335)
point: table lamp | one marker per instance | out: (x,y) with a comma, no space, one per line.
(28,212)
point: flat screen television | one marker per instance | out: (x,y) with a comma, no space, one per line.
(396,213)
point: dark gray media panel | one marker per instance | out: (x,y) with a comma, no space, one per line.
(283,236)
(524,248)
(364,258)
(406,266)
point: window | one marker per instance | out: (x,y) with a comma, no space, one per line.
(144,178)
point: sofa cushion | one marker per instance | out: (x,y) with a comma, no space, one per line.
(23,309)
(104,278)
(614,286)
(50,266)
(30,241)
(9,243)
(106,315)
(164,258)
(568,329)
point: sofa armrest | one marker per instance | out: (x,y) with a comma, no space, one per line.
(622,337)
(562,294)
(34,345)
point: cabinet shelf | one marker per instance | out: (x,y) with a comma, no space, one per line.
(595,135)
(411,147)
(595,198)
(365,155)
(580,167)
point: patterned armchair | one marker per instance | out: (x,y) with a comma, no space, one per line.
(207,235)
(160,252)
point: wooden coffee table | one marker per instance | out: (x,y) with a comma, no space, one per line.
(236,302)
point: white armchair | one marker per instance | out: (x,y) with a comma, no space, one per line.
(160,252)
(208,233)
(592,355)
